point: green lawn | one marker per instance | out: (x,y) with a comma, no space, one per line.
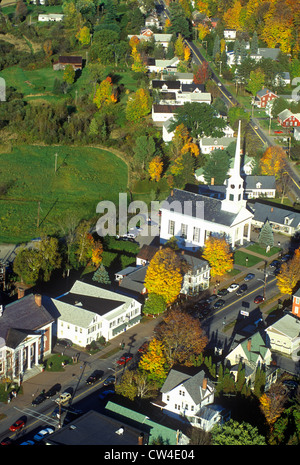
(262,251)
(84,177)
(240,259)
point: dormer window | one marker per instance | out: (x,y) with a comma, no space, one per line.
(258,185)
(287,220)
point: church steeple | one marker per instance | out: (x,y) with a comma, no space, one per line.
(234,200)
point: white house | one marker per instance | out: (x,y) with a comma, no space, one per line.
(160,65)
(88,312)
(284,334)
(209,144)
(229,34)
(159,39)
(260,186)
(192,217)
(190,398)
(283,220)
(50,17)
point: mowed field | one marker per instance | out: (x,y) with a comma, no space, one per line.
(32,193)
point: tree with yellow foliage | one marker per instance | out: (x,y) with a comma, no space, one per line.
(273,161)
(138,66)
(186,54)
(179,47)
(218,254)
(289,275)
(155,168)
(203,31)
(163,276)
(84,35)
(138,105)
(232,17)
(154,362)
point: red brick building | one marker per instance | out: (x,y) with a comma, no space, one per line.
(296,304)
(263,97)
(288,119)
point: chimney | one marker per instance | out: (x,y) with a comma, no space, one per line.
(21,292)
(172,193)
(212,182)
(249,345)
(204,383)
(141,439)
(38,299)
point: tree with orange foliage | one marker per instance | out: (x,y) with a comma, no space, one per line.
(105,93)
(155,168)
(97,251)
(219,256)
(182,337)
(289,275)
(134,42)
(186,54)
(273,161)
(164,276)
(202,74)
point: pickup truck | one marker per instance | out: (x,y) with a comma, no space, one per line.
(63,398)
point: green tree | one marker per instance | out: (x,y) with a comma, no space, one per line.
(254,43)
(27,265)
(256,81)
(179,23)
(233,433)
(50,257)
(266,237)
(144,150)
(138,105)
(154,305)
(200,119)
(216,167)
(69,74)
(101,275)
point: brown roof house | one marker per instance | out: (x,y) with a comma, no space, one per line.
(25,337)
(64,61)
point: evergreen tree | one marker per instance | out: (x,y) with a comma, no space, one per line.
(236,51)
(254,43)
(217,167)
(266,237)
(101,275)
(216,47)
(259,382)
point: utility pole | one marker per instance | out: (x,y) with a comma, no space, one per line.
(38,215)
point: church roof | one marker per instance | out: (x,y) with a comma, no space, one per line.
(212,210)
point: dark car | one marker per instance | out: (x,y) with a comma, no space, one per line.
(212,298)
(242,289)
(94,377)
(52,391)
(222,292)
(249,277)
(106,393)
(39,399)
(65,342)
(143,347)
(285,258)
(6,442)
(275,264)
(259,299)
(109,380)
(219,303)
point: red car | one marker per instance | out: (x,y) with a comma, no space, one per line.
(259,299)
(278,132)
(125,359)
(143,347)
(19,424)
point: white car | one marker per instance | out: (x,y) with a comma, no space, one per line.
(233,287)
(63,398)
(43,434)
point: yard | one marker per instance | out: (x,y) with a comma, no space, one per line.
(32,194)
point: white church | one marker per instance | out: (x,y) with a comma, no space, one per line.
(193,217)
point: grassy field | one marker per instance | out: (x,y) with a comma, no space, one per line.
(30,190)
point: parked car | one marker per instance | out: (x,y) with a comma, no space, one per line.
(19,424)
(65,342)
(6,442)
(94,377)
(27,443)
(249,277)
(259,299)
(222,292)
(275,264)
(242,289)
(233,287)
(52,391)
(212,298)
(43,434)
(39,399)
(278,132)
(285,258)
(106,393)
(63,398)
(125,359)
(109,380)
(219,304)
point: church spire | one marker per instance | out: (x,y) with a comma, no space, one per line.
(234,200)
